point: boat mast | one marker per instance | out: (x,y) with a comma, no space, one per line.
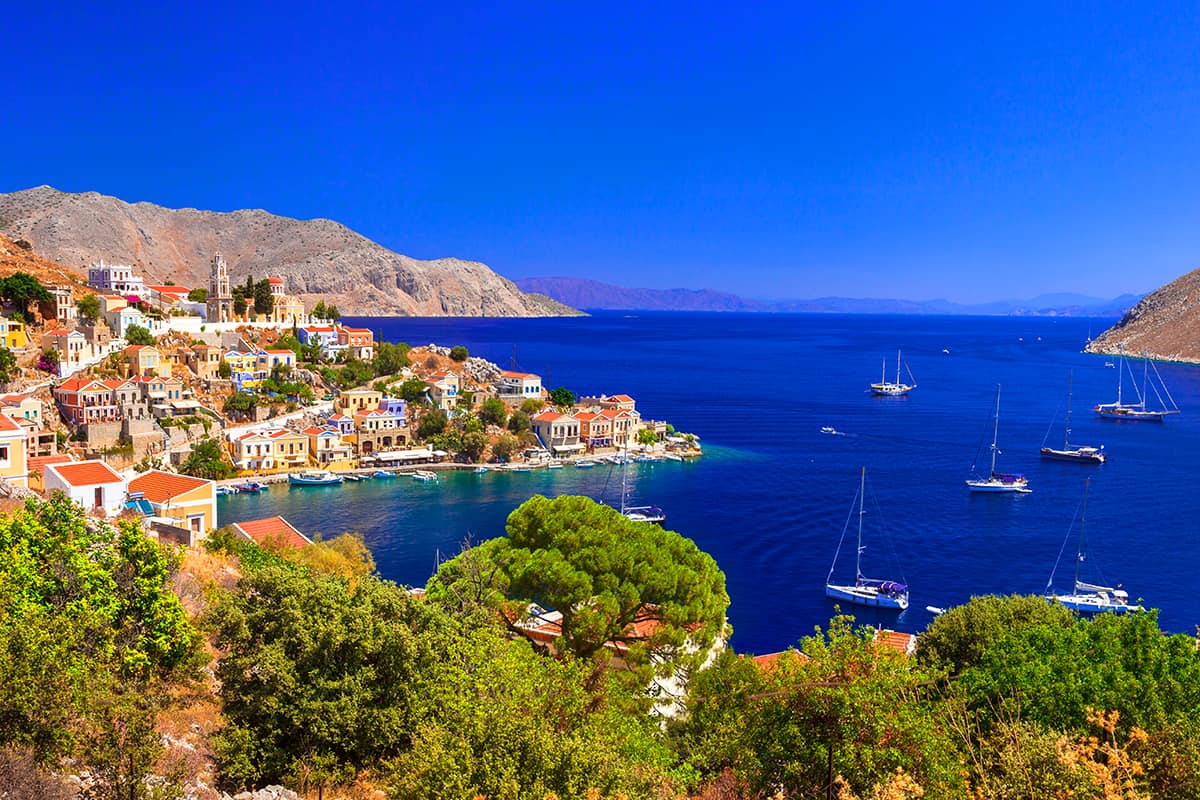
(862,490)
(897,367)
(1082,523)
(883,372)
(1067,431)
(1145,377)
(995,431)
(1120,374)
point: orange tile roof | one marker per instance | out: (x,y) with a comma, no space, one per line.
(74,384)
(282,350)
(39,463)
(768,661)
(7,424)
(902,643)
(159,486)
(275,280)
(85,473)
(549,416)
(356,330)
(586,416)
(272,530)
(620,398)
(510,374)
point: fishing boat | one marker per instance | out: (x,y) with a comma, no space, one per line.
(1085,597)
(554,465)
(225,491)
(831,431)
(1078,453)
(351,477)
(314,478)
(250,487)
(584,464)
(1138,411)
(383,474)
(894,388)
(424,475)
(997,481)
(864,591)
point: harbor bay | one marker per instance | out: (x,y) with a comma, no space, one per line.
(770,496)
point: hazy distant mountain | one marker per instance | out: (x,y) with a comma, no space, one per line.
(1165,324)
(584,293)
(318,259)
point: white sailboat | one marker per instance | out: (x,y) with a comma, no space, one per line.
(864,591)
(1079,453)
(636,513)
(1088,598)
(893,388)
(1138,411)
(998,481)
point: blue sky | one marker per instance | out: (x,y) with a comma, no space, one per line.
(783,150)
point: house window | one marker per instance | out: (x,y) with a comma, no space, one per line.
(3,455)
(196,523)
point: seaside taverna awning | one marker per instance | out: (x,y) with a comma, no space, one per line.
(403,455)
(567,448)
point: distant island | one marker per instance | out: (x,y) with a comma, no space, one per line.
(1164,325)
(594,295)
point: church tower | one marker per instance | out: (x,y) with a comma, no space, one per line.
(220,302)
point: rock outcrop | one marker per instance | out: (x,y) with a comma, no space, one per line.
(1165,325)
(318,259)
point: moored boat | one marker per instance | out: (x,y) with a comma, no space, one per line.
(1080,454)
(877,592)
(1086,597)
(998,482)
(1138,411)
(894,388)
(383,474)
(314,478)
(424,475)
(250,487)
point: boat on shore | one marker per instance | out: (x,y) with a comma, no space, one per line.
(1086,597)
(1138,411)
(876,592)
(314,478)
(998,482)
(886,388)
(1077,453)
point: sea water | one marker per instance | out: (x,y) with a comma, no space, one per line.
(772,494)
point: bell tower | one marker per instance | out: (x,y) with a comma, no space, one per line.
(220,302)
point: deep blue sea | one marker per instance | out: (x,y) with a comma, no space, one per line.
(771,496)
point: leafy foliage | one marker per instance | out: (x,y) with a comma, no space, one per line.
(391,358)
(198,295)
(88,307)
(957,639)
(562,397)
(8,365)
(493,412)
(136,334)
(433,423)
(458,353)
(20,289)
(207,460)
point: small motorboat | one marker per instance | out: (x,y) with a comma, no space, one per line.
(829,430)
(383,474)
(424,475)
(584,464)
(315,478)
(481,470)
(250,487)
(225,491)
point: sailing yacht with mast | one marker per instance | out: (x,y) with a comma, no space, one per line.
(893,388)
(636,513)
(1079,453)
(998,481)
(864,591)
(1138,410)
(1088,598)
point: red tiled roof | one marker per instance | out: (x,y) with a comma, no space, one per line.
(74,384)
(39,463)
(272,530)
(282,350)
(768,661)
(275,280)
(549,416)
(7,424)
(510,374)
(620,398)
(85,473)
(159,486)
(902,643)
(586,416)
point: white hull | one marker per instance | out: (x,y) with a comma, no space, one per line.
(891,389)
(1093,603)
(1132,412)
(1083,455)
(866,596)
(995,486)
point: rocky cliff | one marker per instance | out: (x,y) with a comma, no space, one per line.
(1164,325)
(318,259)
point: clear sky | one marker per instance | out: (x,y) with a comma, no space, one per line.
(774,150)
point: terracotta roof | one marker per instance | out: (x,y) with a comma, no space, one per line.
(620,398)
(549,416)
(586,416)
(510,374)
(902,643)
(316,431)
(356,330)
(74,384)
(7,424)
(275,280)
(85,473)
(768,661)
(282,350)
(39,463)
(272,530)
(158,486)
(337,416)
(135,348)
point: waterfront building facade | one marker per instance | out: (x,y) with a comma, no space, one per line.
(115,278)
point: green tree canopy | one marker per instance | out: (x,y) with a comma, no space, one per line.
(88,307)
(562,397)
(615,581)
(493,412)
(520,422)
(8,365)
(413,390)
(20,289)
(506,447)
(264,301)
(530,406)
(432,423)
(646,436)
(957,639)
(459,353)
(198,295)
(207,460)
(391,358)
(136,334)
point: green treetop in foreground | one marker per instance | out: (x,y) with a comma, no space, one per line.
(615,581)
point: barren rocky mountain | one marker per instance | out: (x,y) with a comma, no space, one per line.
(1164,325)
(318,259)
(18,256)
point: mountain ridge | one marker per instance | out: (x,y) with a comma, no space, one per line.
(1164,324)
(318,259)
(590,294)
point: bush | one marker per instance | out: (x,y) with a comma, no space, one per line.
(458,353)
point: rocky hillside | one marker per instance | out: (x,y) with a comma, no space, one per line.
(1165,324)
(318,259)
(18,256)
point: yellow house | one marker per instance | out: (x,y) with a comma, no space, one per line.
(14,466)
(291,448)
(145,360)
(12,334)
(353,401)
(190,501)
